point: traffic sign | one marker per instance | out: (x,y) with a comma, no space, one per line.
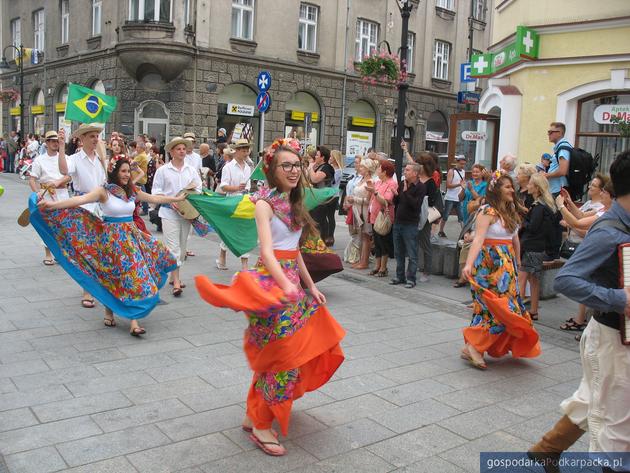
(469,98)
(263,102)
(264,81)
(464,73)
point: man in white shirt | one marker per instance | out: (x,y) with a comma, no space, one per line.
(32,148)
(192,157)
(87,170)
(45,174)
(235,180)
(170,179)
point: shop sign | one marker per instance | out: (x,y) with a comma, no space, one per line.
(240,109)
(60,107)
(38,109)
(604,113)
(524,47)
(474,136)
(358,142)
(469,98)
(14,111)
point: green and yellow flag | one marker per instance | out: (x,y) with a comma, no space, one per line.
(257,173)
(88,106)
(233,217)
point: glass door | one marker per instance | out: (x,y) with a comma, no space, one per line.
(476,136)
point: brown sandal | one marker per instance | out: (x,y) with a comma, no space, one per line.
(263,446)
(88,303)
(136,332)
(177,291)
(109,322)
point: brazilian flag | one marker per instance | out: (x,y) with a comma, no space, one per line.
(232,217)
(88,106)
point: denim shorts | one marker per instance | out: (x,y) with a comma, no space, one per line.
(532,262)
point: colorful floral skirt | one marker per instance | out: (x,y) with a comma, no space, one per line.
(122,267)
(292,347)
(320,260)
(500,323)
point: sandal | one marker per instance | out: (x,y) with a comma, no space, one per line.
(264,446)
(109,322)
(374,272)
(249,430)
(49,262)
(88,303)
(136,332)
(382,274)
(177,291)
(182,285)
(220,265)
(533,315)
(190,253)
(571,325)
(465,355)
(461,284)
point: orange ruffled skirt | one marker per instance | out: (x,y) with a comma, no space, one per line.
(500,323)
(292,347)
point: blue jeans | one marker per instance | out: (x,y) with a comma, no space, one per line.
(450,205)
(406,245)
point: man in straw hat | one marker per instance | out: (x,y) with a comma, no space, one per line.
(235,177)
(170,179)
(193,159)
(86,168)
(45,174)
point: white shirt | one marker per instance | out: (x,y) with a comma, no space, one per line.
(87,174)
(46,169)
(33,148)
(452,194)
(194,159)
(169,180)
(233,174)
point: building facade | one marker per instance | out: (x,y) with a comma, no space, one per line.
(580,76)
(181,65)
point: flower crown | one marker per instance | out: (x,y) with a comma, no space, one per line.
(114,159)
(494,177)
(289,142)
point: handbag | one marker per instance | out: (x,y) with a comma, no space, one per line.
(383,222)
(567,248)
(433,215)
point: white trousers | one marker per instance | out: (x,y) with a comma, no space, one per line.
(225,248)
(176,237)
(601,403)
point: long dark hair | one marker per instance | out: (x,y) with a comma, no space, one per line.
(113,177)
(299,214)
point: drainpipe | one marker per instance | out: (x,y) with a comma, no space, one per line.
(342,142)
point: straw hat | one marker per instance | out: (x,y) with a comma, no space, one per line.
(242,143)
(178,140)
(51,135)
(190,135)
(87,128)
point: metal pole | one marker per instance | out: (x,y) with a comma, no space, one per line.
(22,127)
(261,138)
(342,125)
(405,12)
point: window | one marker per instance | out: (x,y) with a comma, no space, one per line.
(65,20)
(150,10)
(187,13)
(367,39)
(243,19)
(16,35)
(441,54)
(97,9)
(446,4)
(38,30)
(479,10)
(307,33)
(411,43)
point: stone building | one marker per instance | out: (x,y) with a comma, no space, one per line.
(181,65)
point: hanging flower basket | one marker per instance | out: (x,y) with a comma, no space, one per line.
(9,95)
(382,68)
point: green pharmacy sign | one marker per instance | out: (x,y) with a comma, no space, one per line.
(524,47)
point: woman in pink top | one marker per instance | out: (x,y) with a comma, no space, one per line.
(383,192)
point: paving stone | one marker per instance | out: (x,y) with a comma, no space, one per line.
(44,435)
(149,413)
(527,383)
(416,445)
(7,386)
(303,424)
(311,400)
(414,416)
(359,460)
(344,438)
(114,444)
(52,377)
(23,368)
(348,410)
(554,355)
(14,400)
(228,377)
(475,424)
(203,423)
(150,348)
(533,404)
(41,460)
(561,372)
(414,355)
(175,371)
(111,383)
(352,387)
(361,366)
(469,377)
(414,392)
(470,399)
(183,454)
(80,358)
(430,465)
(207,400)
(564,389)
(16,419)
(204,352)
(80,406)
(114,465)
(168,390)
(414,372)
(138,363)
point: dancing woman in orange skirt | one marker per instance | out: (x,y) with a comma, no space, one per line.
(500,323)
(291,343)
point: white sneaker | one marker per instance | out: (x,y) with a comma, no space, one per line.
(423,278)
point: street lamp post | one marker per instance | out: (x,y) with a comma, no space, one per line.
(4,66)
(405,7)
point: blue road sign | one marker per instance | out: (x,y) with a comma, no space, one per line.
(470,98)
(263,102)
(264,81)
(464,73)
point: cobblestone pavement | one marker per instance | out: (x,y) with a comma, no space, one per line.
(76,396)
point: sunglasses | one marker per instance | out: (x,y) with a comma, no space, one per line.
(551,132)
(288,167)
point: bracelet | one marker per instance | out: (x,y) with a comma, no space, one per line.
(561,207)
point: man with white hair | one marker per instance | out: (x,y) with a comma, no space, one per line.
(507,164)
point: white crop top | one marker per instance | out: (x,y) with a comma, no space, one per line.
(116,207)
(497,231)
(282,236)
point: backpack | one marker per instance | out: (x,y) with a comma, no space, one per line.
(581,168)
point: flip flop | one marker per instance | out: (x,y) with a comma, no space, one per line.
(109,322)
(88,303)
(177,291)
(136,332)
(49,262)
(264,446)
(464,355)
(190,253)
(182,285)
(249,430)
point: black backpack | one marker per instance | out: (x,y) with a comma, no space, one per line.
(581,168)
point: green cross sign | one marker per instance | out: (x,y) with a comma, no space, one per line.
(524,47)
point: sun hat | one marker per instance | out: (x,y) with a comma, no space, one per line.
(178,140)
(87,128)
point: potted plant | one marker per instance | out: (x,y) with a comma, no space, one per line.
(382,68)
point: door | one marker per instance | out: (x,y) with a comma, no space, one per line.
(476,136)
(155,129)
